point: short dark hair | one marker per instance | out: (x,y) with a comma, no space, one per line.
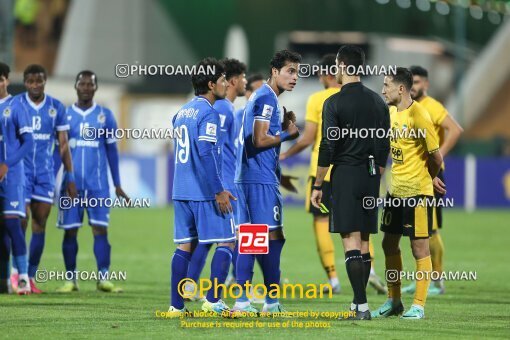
(404,77)
(419,71)
(251,79)
(327,62)
(34,69)
(233,67)
(351,55)
(281,58)
(4,70)
(202,77)
(86,73)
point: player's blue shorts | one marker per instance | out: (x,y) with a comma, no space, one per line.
(259,204)
(38,189)
(72,216)
(202,220)
(12,199)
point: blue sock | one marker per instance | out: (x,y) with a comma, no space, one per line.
(197,262)
(270,264)
(235,253)
(14,264)
(36,250)
(5,253)
(19,247)
(102,251)
(180,263)
(219,270)
(244,273)
(70,250)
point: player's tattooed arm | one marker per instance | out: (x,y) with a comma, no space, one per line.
(65,154)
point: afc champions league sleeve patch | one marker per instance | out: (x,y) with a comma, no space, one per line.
(52,112)
(7,112)
(101,118)
(267,111)
(210,129)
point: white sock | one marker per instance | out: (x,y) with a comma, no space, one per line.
(241,304)
(14,271)
(417,306)
(363,307)
(372,271)
(353,306)
(334,282)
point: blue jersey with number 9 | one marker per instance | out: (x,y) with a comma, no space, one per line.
(197,122)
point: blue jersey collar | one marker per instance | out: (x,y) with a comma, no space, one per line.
(35,106)
(5,99)
(87,111)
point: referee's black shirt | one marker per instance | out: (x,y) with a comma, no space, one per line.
(354,108)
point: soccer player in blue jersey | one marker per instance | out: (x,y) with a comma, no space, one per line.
(253,82)
(15,142)
(258,173)
(92,153)
(49,123)
(202,208)
(235,73)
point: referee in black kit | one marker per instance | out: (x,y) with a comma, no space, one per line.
(358,160)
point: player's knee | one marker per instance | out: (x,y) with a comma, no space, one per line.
(276,234)
(99,230)
(420,248)
(71,232)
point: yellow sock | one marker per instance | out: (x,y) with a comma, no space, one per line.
(436,252)
(325,247)
(424,266)
(394,263)
(372,255)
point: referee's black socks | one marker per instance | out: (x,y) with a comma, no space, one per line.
(356,273)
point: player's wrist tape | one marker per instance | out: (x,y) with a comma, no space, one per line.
(317,187)
(70,177)
(284,136)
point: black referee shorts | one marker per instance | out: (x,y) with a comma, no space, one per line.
(349,185)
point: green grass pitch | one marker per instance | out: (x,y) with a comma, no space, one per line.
(142,246)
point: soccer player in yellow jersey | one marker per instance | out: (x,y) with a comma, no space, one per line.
(416,162)
(449,132)
(312,135)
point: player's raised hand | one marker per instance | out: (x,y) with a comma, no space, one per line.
(223,200)
(288,116)
(120,193)
(3,171)
(71,189)
(316,198)
(286,183)
(439,186)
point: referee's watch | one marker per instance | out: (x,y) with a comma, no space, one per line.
(317,187)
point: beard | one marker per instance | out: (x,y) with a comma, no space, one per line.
(418,94)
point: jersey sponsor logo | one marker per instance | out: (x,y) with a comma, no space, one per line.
(397,155)
(87,143)
(52,112)
(7,112)
(101,118)
(253,239)
(267,111)
(14,204)
(210,129)
(42,136)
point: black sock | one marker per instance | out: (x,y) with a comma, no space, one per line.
(367,262)
(355,272)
